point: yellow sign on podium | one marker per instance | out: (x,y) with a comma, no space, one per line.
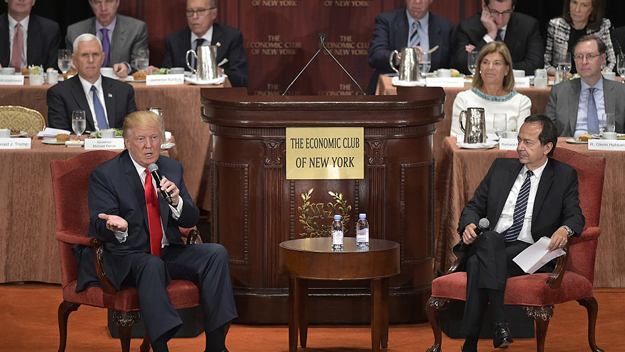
(325,153)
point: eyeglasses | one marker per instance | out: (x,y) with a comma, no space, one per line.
(589,57)
(496,13)
(200,12)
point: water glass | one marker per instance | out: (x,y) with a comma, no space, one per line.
(65,60)
(472,61)
(143,60)
(424,62)
(540,78)
(607,123)
(500,123)
(564,63)
(79,124)
(620,66)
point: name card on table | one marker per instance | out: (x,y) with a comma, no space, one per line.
(11,80)
(104,143)
(606,144)
(164,80)
(444,82)
(521,82)
(508,144)
(15,143)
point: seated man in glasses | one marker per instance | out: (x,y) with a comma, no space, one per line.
(499,22)
(203,30)
(579,106)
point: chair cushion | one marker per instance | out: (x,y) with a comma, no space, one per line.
(182,294)
(526,290)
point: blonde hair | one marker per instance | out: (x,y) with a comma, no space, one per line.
(143,118)
(495,47)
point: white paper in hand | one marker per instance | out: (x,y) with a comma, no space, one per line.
(537,255)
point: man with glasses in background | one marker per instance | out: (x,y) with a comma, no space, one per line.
(576,106)
(498,21)
(203,30)
(124,39)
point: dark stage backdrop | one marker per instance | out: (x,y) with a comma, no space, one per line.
(280,36)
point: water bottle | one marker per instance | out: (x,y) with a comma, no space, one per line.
(337,234)
(362,233)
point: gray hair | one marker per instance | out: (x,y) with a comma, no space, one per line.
(86,37)
(213,4)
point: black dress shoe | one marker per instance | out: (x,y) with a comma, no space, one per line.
(502,337)
(468,349)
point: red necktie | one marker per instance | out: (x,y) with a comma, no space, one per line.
(16,54)
(154,215)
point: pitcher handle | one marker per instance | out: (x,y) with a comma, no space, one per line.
(390,60)
(460,117)
(187,59)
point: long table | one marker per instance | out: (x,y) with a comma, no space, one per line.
(459,172)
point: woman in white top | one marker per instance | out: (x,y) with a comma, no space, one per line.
(493,90)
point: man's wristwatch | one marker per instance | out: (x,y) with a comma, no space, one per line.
(569,231)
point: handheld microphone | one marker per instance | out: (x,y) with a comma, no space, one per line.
(481,226)
(153,168)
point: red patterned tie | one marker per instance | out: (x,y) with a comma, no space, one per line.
(16,54)
(154,217)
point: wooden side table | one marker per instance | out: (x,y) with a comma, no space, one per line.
(313,259)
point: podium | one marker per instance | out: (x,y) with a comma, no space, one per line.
(255,208)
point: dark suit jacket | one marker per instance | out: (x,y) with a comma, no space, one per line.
(44,38)
(115,189)
(522,38)
(556,203)
(178,43)
(65,97)
(391,33)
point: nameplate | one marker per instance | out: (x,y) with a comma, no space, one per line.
(11,80)
(104,143)
(606,144)
(444,82)
(508,144)
(15,143)
(164,80)
(521,82)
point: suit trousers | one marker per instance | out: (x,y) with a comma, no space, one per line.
(204,264)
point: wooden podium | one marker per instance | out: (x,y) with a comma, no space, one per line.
(255,208)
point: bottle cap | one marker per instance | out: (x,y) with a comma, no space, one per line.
(337,217)
(362,216)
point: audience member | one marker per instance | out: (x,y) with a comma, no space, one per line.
(499,22)
(27,39)
(203,30)
(411,26)
(106,101)
(576,106)
(122,37)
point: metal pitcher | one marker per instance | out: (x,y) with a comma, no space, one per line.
(206,58)
(475,130)
(408,64)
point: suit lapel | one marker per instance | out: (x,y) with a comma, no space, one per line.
(401,31)
(117,42)
(34,41)
(434,34)
(81,101)
(574,94)
(543,188)
(135,183)
(609,98)
(4,40)
(217,34)
(506,186)
(162,203)
(109,100)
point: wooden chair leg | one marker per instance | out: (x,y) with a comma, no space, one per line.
(65,308)
(303,312)
(125,321)
(593,309)
(145,345)
(541,316)
(432,308)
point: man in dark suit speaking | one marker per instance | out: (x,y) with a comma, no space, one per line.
(203,30)
(414,25)
(143,244)
(525,199)
(106,101)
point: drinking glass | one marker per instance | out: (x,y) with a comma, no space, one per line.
(500,123)
(79,124)
(65,60)
(620,66)
(607,123)
(472,61)
(143,60)
(425,62)
(564,64)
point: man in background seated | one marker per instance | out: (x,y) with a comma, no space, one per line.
(143,243)
(412,26)
(203,30)
(106,101)
(121,36)
(498,21)
(576,106)
(27,39)
(524,199)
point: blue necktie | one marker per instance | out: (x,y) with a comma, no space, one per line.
(99,110)
(512,233)
(591,113)
(106,45)
(415,40)
(198,43)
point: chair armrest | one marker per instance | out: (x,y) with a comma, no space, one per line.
(555,278)
(73,239)
(98,253)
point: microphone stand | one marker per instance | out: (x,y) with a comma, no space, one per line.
(322,45)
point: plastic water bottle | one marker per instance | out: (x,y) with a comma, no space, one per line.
(362,233)
(337,234)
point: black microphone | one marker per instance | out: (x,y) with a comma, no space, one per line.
(153,168)
(481,226)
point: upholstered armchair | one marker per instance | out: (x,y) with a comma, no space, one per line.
(70,180)
(571,280)
(18,118)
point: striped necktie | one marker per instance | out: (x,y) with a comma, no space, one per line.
(415,40)
(512,233)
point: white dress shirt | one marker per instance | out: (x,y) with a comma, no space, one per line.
(581,126)
(503,30)
(86,86)
(12,31)
(208,38)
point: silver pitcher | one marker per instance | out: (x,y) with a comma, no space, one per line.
(206,58)
(475,130)
(408,64)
